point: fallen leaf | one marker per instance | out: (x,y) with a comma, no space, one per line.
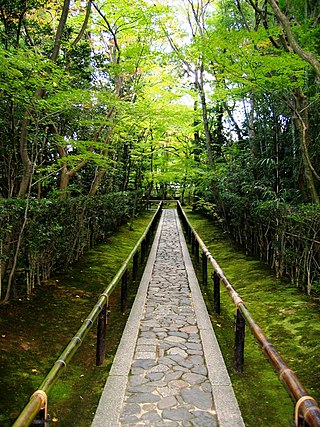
(25,346)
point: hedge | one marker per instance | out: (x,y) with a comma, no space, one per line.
(56,233)
(285,236)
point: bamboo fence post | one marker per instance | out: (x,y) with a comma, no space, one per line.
(239,342)
(135,264)
(204,269)
(196,250)
(41,419)
(124,288)
(216,293)
(143,250)
(188,229)
(101,336)
(1,246)
(192,243)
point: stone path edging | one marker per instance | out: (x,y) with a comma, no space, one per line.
(168,370)
(227,408)
(110,404)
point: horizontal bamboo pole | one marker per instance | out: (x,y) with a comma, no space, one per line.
(306,404)
(34,405)
(31,409)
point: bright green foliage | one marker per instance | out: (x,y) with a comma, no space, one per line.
(206,98)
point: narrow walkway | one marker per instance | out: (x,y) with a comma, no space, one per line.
(168,370)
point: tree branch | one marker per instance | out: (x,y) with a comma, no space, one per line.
(84,25)
(285,23)
(112,32)
(61,26)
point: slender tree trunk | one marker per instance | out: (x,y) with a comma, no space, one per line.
(25,158)
(308,175)
(200,87)
(252,128)
(17,249)
(276,153)
(59,33)
(301,119)
(286,25)
(99,175)
(65,173)
(184,184)
(26,161)
(101,171)
(64,181)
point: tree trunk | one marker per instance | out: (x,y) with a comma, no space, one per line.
(301,119)
(252,127)
(200,87)
(64,181)
(25,157)
(59,33)
(17,251)
(99,175)
(286,25)
(26,161)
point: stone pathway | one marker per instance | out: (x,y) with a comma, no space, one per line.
(168,383)
(168,370)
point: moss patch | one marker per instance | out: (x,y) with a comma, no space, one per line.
(34,333)
(289,318)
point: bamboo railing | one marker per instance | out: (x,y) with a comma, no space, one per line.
(37,405)
(307,411)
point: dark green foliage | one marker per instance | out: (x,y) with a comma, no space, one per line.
(286,237)
(57,232)
(206,209)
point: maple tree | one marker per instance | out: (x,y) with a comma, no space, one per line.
(217,99)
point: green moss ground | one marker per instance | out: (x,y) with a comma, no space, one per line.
(34,333)
(290,319)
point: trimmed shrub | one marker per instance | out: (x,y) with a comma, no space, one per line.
(56,232)
(287,237)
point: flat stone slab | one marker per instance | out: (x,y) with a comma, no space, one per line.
(175,374)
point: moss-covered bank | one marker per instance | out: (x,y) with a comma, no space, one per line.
(289,318)
(34,333)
